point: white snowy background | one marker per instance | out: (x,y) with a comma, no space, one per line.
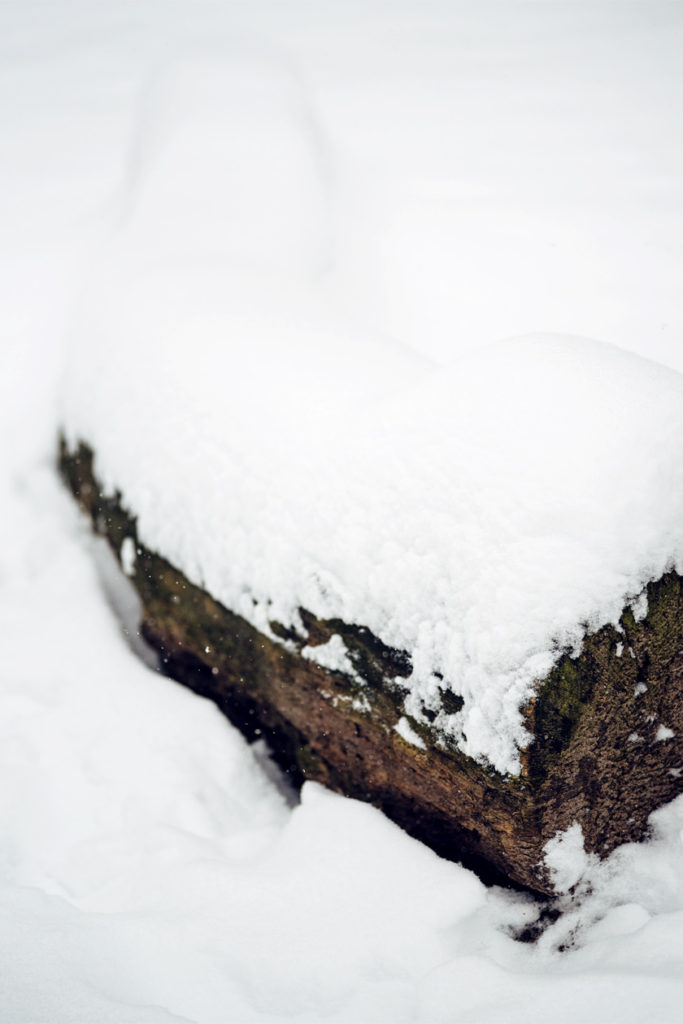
(402,183)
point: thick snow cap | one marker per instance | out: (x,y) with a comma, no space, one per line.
(481,516)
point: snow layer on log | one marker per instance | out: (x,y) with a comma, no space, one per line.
(480,516)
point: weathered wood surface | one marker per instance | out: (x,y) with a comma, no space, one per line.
(595,758)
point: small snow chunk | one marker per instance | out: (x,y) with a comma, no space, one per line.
(332,656)
(632,653)
(406,732)
(635,737)
(639,607)
(676,772)
(640,688)
(664,733)
(361,704)
(620,649)
(128,555)
(566,859)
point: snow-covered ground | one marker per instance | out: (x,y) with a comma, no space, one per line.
(439,176)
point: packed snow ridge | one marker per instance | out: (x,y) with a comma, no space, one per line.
(481,515)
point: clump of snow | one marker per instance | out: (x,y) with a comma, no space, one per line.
(633,899)
(332,655)
(664,733)
(406,732)
(566,859)
(361,703)
(128,555)
(639,607)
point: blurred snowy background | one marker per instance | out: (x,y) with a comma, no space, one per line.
(440,175)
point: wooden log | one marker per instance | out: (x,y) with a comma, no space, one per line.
(608,724)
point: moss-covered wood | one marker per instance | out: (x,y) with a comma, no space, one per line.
(596,758)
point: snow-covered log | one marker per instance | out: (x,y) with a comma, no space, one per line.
(449,588)
(603,724)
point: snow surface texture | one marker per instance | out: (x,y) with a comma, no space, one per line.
(479,515)
(151,869)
